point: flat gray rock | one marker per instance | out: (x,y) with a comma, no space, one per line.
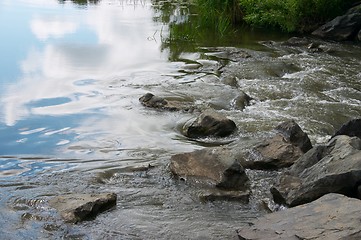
(75,208)
(333,216)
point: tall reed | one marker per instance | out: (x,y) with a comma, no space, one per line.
(218,14)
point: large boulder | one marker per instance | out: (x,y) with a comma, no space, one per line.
(152,101)
(341,28)
(79,207)
(333,216)
(210,124)
(334,168)
(352,128)
(309,159)
(217,167)
(283,149)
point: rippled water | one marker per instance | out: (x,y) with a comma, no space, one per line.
(70,120)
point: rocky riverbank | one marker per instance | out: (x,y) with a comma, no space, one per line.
(307,173)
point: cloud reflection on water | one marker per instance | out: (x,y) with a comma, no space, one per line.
(105,43)
(50,72)
(44,29)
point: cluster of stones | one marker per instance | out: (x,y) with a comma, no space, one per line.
(325,178)
(311,176)
(319,184)
(322,189)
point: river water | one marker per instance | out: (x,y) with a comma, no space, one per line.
(70,120)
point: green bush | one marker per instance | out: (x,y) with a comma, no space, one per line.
(292,15)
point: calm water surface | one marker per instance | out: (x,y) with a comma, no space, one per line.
(70,121)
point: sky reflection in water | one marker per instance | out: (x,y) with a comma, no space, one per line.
(72,73)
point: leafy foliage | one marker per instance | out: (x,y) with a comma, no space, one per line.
(289,15)
(292,15)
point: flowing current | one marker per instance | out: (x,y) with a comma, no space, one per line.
(71,74)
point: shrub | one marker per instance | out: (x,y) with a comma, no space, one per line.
(292,15)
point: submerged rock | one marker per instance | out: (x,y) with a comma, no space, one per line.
(297,42)
(223,195)
(75,208)
(331,217)
(241,101)
(215,167)
(352,128)
(341,28)
(228,53)
(210,124)
(282,150)
(334,168)
(152,101)
(308,44)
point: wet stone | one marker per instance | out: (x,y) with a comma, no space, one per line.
(333,216)
(152,101)
(341,28)
(222,195)
(282,150)
(210,124)
(241,101)
(215,167)
(228,53)
(274,153)
(75,208)
(352,128)
(296,41)
(293,133)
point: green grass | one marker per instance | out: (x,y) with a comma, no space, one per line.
(218,14)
